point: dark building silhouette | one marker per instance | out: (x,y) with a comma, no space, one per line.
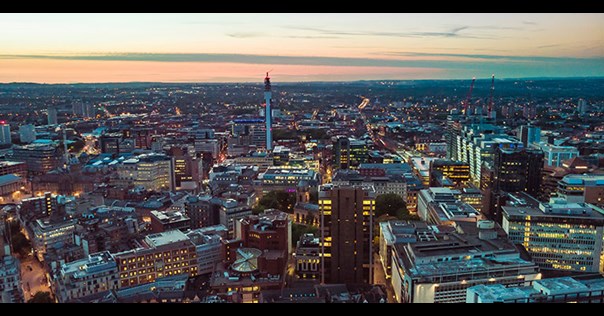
(346,226)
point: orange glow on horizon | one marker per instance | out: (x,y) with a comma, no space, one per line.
(76,71)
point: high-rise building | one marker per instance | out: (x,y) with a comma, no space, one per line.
(513,170)
(268,113)
(83,109)
(341,148)
(555,155)
(518,170)
(558,235)
(88,110)
(346,214)
(582,107)
(5,133)
(453,130)
(477,143)
(359,153)
(529,135)
(27,133)
(52,115)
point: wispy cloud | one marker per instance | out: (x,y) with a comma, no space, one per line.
(245,34)
(311,36)
(548,46)
(529,23)
(450,33)
(508,58)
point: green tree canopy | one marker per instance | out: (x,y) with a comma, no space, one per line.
(280,200)
(391,204)
(298,230)
(20,243)
(41,297)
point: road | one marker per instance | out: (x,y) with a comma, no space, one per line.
(35,280)
(380,278)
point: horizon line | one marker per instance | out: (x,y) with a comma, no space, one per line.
(302,81)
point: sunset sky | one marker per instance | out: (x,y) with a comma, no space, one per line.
(69,48)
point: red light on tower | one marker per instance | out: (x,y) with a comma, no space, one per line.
(2,122)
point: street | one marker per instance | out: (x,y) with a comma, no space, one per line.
(380,278)
(35,280)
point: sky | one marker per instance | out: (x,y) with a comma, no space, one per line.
(239,47)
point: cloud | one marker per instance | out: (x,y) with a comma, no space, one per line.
(529,23)
(541,59)
(475,64)
(548,46)
(452,32)
(245,34)
(311,36)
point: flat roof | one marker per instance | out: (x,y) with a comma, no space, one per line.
(10,163)
(9,179)
(165,238)
(526,211)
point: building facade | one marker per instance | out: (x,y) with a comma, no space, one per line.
(558,235)
(346,226)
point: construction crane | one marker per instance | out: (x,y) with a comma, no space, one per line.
(468,97)
(491,97)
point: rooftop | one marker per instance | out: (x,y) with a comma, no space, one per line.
(9,179)
(583,179)
(538,290)
(10,163)
(93,264)
(169,217)
(165,238)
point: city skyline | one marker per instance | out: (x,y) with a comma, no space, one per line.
(72,48)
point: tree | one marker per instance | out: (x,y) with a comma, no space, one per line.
(299,229)
(20,244)
(309,219)
(41,297)
(314,197)
(76,146)
(391,204)
(280,200)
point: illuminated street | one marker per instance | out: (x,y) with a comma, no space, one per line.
(380,278)
(33,277)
